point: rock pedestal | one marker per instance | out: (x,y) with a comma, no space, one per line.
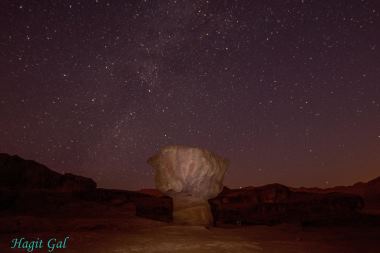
(189,210)
(190,176)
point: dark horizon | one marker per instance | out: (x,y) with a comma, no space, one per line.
(287,91)
(228,186)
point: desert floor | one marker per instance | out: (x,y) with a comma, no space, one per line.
(142,235)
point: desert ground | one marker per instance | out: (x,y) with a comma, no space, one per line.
(134,234)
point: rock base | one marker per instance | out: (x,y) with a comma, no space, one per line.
(189,210)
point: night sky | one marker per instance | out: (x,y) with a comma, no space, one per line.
(288,91)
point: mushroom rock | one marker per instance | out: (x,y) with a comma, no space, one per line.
(190,176)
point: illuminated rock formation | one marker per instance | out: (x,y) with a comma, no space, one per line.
(190,176)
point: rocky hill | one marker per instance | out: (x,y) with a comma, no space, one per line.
(19,174)
(369,191)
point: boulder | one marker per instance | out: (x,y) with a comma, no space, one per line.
(190,176)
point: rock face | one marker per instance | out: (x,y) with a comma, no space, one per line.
(369,191)
(190,176)
(275,203)
(19,174)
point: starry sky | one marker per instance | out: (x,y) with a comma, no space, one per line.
(288,91)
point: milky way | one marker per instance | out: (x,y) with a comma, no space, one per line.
(289,91)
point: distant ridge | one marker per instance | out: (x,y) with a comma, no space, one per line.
(20,174)
(17,173)
(369,191)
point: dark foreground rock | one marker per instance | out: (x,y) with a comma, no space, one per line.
(148,206)
(95,203)
(276,203)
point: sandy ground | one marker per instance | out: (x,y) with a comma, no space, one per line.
(142,235)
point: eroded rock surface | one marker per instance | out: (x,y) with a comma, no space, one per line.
(190,176)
